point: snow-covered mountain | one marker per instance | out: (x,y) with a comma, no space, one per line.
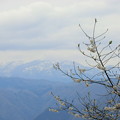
(39,70)
(35,70)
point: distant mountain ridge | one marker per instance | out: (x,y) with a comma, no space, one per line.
(37,70)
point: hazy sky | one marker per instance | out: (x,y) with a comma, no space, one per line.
(48,29)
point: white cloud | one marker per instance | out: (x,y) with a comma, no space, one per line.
(51,24)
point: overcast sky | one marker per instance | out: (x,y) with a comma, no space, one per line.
(48,29)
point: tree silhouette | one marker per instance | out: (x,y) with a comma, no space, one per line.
(106,75)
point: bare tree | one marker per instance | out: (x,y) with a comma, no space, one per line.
(109,77)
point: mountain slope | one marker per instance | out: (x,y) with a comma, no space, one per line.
(24,99)
(46,115)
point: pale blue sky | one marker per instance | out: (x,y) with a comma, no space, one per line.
(48,29)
